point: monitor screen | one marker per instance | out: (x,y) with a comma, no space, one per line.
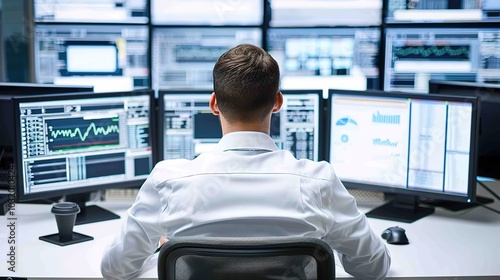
(102,11)
(326,13)
(488,164)
(185,57)
(108,57)
(90,58)
(341,58)
(413,56)
(415,145)
(77,143)
(207,12)
(418,11)
(189,128)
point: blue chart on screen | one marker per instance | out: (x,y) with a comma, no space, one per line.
(347,123)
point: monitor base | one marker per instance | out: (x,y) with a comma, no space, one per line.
(402,209)
(93,214)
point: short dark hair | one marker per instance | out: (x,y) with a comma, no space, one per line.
(246,83)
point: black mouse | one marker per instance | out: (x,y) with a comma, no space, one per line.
(395,235)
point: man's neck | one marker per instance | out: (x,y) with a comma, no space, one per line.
(235,127)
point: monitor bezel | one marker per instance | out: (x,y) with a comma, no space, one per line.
(23,197)
(14,89)
(471,189)
(161,119)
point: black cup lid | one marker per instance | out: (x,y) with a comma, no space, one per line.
(65,208)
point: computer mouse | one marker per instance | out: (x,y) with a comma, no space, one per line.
(395,235)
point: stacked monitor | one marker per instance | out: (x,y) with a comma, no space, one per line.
(343,58)
(108,11)
(422,11)
(489,130)
(107,57)
(326,13)
(203,12)
(184,57)
(76,143)
(189,128)
(416,55)
(410,145)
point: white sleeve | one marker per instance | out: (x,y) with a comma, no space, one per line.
(364,255)
(138,237)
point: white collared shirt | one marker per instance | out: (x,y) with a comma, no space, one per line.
(245,187)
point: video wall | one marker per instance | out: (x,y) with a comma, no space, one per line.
(392,45)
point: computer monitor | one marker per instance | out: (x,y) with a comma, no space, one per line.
(341,58)
(488,164)
(419,11)
(102,11)
(326,13)
(107,57)
(185,57)
(77,143)
(33,88)
(413,146)
(207,12)
(415,55)
(188,127)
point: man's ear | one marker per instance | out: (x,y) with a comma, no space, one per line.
(213,105)
(279,102)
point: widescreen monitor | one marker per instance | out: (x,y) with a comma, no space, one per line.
(419,11)
(410,145)
(325,13)
(341,58)
(71,144)
(207,12)
(88,11)
(185,57)
(107,57)
(189,128)
(413,56)
(488,164)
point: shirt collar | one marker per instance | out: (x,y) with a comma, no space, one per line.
(246,141)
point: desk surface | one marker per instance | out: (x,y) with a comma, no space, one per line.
(445,244)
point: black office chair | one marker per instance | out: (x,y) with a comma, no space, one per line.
(213,258)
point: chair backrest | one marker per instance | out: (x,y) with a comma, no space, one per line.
(208,258)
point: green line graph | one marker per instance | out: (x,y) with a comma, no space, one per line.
(80,133)
(92,128)
(432,51)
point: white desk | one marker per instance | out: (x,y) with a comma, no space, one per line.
(444,244)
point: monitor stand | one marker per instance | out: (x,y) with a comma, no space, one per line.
(92,213)
(403,208)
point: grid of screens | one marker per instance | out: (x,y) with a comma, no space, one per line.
(108,57)
(443,11)
(488,164)
(404,143)
(343,58)
(326,12)
(189,128)
(416,55)
(68,145)
(185,57)
(207,12)
(121,11)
